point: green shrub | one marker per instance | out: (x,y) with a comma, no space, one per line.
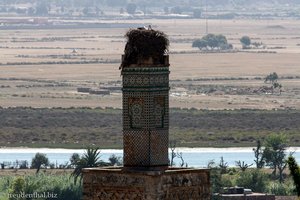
(5,182)
(281,189)
(61,185)
(254,179)
(227,181)
(17,187)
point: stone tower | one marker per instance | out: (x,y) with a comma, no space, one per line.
(146,113)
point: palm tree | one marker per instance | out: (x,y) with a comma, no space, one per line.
(90,158)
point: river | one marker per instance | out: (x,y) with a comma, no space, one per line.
(195,157)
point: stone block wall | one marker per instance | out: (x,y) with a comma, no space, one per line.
(172,184)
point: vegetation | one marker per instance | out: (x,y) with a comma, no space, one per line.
(65,127)
(258,180)
(259,155)
(91,158)
(38,161)
(242,165)
(246,41)
(295,172)
(115,160)
(253,179)
(62,186)
(275,155)
(75,158)
(212,41)
(174,155)
(273,79)
(66,187)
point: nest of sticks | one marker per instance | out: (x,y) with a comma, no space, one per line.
(143,44)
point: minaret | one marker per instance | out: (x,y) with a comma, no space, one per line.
(145,174)
(145,102)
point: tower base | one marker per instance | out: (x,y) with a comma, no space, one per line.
(122,184)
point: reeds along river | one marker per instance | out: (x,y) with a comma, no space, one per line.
(194,157)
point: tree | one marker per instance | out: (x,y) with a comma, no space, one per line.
(259,155)
(74,159)
(246,41)
(215,176)
(295,172)
(274,153)
(90,158)
(182,162)
(272,78)
(173,154)
(200,44)
(176,155)
(223,166)
(215,41)
(115,160)
(38,161)
(212,41)
(23,164)
(131,8)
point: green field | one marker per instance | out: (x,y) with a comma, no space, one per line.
(82,127)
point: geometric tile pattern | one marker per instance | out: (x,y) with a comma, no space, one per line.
(146,115)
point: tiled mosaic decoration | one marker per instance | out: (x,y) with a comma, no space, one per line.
(146,115)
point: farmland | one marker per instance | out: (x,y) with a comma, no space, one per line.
(82,127)
(43,68)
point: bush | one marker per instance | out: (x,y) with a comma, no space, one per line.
(61,185)
(246,41)
(281,189)
(252,179)
(17,187)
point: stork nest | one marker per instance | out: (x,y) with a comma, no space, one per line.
(143,44)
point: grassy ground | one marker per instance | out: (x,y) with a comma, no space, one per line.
(81,127)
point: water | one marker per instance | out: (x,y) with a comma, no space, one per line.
(195,157)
